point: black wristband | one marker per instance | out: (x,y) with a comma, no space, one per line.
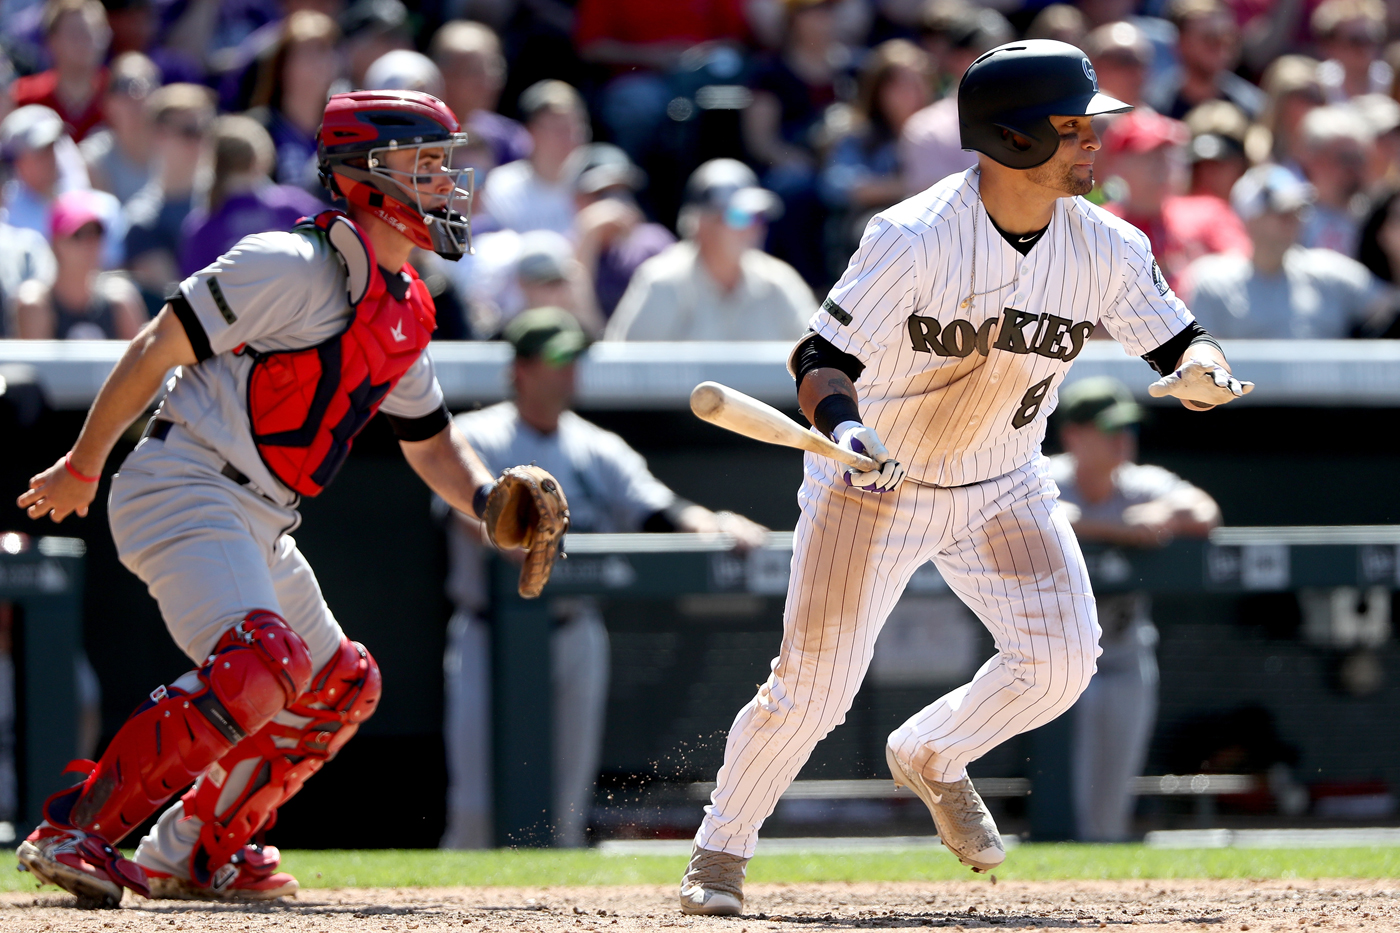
(479,498)
(832,411)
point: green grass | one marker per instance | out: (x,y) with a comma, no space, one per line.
(1034,862)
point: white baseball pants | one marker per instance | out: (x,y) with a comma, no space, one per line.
(210,551)
(1004,547)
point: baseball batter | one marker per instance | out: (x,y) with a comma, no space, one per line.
(285,347)
(939,353)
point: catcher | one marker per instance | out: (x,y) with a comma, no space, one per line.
(286,347)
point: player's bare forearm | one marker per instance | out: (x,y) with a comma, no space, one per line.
(447,463)
(160,346)
(820,383)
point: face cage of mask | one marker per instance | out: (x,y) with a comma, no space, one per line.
(454,223)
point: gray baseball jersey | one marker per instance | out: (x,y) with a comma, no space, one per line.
(960,390)
(608,484)
(271,291)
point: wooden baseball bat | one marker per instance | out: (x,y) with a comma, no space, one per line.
(746,415)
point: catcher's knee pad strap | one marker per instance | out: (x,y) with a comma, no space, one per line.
(256,669)
(240,794)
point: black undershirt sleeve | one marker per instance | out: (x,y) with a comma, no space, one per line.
(199,340)
(1164,359)
(668,519)
(420,429)
(816,352)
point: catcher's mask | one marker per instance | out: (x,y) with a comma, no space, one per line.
(359,129)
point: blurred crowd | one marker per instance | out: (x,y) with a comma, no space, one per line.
(690,171)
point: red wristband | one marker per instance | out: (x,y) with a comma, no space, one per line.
(68,465)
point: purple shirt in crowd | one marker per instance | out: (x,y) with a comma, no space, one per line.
(205,237)
(621,259)
(509,141)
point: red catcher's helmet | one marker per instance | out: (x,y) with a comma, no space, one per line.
(360,127)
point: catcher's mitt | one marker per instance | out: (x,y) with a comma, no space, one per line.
(527,509)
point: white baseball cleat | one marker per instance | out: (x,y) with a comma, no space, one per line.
(962,820)
(713,884)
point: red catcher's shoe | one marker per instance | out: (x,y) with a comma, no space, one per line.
(82,864)
(251,875)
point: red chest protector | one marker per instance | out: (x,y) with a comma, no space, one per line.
(306,406)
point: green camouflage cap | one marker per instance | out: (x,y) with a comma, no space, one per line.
(1101,401)
(551,334)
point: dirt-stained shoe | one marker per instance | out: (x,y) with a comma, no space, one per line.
(713,884)
(251,875)
(962,820)
(80,863)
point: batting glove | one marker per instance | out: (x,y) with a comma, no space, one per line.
(1201,383)
(854,436)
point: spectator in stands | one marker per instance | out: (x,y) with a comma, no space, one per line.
(1218,130)
(1208,46)
(612,234)
(1334,153)
(862,173)
(469,56)
(1292,89)
(118,156)
(1141,154)
(1382,114)
(792,91)
(293,83)
(532,193)
(716,284)
(178,47)
(1350,34)
(242,196)
(641,42)
(1285,290)
(610,490)
(938,22)
(1058,21)
(1121,54)
(373,29)
(181,115)
(24,255)
(404,70)
(43,162)
(76,36)
(1111,499)
(83,302)
(930,145)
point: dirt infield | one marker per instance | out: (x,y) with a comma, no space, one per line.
(1156,905)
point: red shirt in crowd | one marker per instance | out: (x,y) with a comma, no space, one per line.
(649,21)
(1190,226)
(42,88)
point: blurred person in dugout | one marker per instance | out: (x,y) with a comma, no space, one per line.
(716,284)
(83,302)
(1285,290)
(1112,499)
(610,490)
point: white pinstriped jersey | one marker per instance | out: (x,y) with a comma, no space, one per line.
(959,393)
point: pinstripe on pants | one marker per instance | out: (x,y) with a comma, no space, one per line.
(1002,545)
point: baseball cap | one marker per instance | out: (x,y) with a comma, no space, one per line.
(730,187)
(375,18)
(1269,188)
(72,211)
(551,334)
(1142,131)
(543,259)
(602,165)
(28,128)
(1210,147)
(404,70)
(1102,401)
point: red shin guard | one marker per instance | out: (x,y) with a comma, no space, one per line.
(257,669)
(239,795)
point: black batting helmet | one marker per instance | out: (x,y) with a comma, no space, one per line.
(1018,87)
